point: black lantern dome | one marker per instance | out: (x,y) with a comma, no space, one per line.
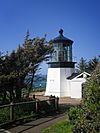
(61,38)
(62,52)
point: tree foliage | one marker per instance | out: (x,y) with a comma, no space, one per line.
(88,116)
(82,65)
(93,63)
(19,64)
(88,66)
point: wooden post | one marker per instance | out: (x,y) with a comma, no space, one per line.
(34,96)
(57,103)
(11,111)
(50,99)
(37,106)
(54,102)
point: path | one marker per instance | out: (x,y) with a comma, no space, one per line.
(38,125)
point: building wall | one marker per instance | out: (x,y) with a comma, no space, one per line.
(64,87)
(56,82)
(59,85)
(69,71)
(76,88)
(53,82)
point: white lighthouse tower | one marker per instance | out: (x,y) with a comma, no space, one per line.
(60,66)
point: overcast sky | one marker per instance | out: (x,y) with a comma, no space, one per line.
(80,20)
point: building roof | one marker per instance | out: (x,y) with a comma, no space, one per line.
(78,75)
(73,76)
(61,38)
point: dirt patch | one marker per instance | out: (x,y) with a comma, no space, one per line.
(62,100)
(68,100)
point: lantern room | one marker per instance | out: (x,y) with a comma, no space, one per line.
(62,49)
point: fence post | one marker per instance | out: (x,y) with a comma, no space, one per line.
(11,111)
(34,96)
(57,104)
(52,101)
(37,106)
(50,97)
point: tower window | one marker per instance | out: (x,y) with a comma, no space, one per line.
(61,55)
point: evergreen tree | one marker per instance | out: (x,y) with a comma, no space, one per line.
(15,67)
(89,66)
(82,65)
(93,63)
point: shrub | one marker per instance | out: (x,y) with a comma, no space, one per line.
(23,110)
(87,118)
(74,113)
(45,107)
(4,115)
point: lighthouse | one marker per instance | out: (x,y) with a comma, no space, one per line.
(60,67)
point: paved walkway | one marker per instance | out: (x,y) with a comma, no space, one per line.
(4,131)
(37,125)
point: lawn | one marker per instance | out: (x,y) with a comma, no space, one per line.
(60,127)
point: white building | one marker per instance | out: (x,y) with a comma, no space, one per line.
(62,81)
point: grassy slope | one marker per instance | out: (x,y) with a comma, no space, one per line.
(60,127)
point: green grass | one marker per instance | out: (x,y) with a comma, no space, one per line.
(60,127)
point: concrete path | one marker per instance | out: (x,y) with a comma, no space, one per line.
(38,125)
(4,131)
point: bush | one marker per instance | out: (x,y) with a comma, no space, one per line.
(24,110)
(74,113)
(4,115)
(45,107)
(87,118)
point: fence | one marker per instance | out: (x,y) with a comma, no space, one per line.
(22,110)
